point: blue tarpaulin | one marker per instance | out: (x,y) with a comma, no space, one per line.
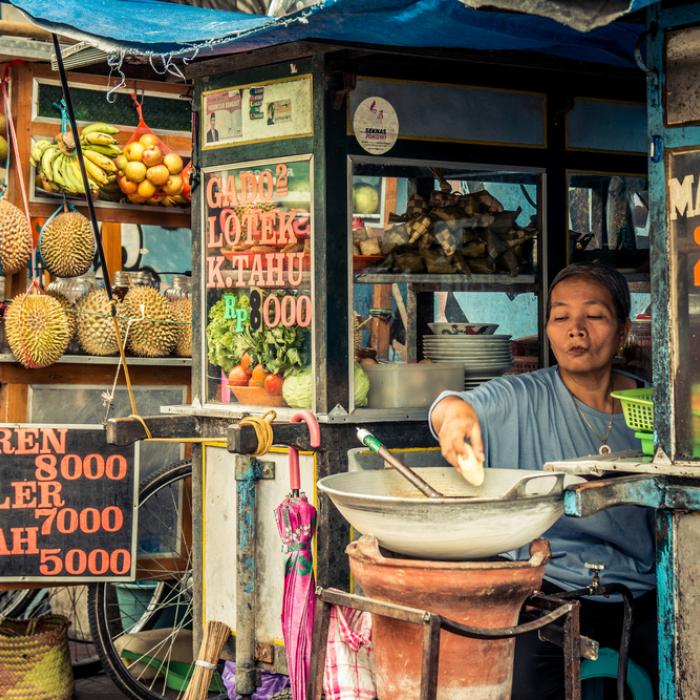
(156,27)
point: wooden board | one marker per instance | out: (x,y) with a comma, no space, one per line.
(66,505)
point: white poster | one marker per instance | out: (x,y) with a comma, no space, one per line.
(266,111)
(376,125)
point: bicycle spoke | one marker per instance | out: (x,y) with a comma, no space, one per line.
(159,617)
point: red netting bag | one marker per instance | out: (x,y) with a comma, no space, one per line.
(150,172)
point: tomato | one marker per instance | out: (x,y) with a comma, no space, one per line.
(273,384)
(238,376)
(246,362)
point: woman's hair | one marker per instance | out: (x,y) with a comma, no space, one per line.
(605,276)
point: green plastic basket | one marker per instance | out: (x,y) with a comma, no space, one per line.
(647,440)
(638,408)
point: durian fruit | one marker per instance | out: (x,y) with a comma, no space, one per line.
(96,333)
(68,245)
(69,310)
(37,329)
(15,238)
(153,332)
(182,311)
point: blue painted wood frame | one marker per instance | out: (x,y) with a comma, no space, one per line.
(661,139)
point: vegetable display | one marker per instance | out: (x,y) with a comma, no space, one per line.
(297,389)
(278,350)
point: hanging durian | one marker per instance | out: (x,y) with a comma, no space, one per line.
(68,309)
(68,245)
(37,329)
(96,333)
(15,238)
(153,332)
(182,310)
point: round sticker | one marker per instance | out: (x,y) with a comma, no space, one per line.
(376,125)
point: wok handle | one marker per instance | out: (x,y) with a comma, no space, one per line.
(519,489)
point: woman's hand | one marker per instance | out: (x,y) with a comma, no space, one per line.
(455,422)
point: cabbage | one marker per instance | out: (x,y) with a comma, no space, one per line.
(361,386)
(297,389)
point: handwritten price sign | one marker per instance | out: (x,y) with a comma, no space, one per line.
(67,504)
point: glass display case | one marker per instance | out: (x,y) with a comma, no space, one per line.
(257,263)
(445,277)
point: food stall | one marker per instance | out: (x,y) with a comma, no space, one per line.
(338,197)
(330,181)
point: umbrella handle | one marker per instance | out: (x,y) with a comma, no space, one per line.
(311,422)
(294,478)
(314,439)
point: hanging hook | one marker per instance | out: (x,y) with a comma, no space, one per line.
(651,73)
(115,61)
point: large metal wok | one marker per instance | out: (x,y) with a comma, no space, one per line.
(510,509)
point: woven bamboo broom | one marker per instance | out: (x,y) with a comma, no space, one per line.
(215,636)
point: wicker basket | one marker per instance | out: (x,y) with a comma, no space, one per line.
(34,659)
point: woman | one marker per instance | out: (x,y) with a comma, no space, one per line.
(558,413)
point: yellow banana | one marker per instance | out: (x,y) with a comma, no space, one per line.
(95,172)
(99,139)
(111,151)
(100,160)
(72,175)
(56,173)
(100,127)
(50,153)
(37,151)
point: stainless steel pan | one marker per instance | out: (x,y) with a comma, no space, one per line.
(510,509)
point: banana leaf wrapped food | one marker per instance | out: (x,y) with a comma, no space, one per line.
(409,261)
(456,233)
(437,263)
(394,237)
(448,239)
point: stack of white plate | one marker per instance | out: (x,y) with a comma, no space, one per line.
(484,356)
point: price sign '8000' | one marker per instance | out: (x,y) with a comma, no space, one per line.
(66,504)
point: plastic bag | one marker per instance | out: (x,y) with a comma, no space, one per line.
(349,669)
(150,172)
(270,683)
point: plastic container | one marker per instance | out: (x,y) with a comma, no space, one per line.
(638,408)
(647,440)
(399,385)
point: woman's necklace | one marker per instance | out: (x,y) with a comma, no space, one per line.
(603,448)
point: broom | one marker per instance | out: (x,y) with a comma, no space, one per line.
(215,636)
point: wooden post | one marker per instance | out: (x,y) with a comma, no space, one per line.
(380,327)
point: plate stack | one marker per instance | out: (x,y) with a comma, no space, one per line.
(484,356)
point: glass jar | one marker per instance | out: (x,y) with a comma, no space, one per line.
(181,289)
(121,284)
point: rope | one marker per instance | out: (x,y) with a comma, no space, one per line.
(263,430)
(15,148)
(127,376)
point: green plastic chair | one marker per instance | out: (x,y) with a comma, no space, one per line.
(593,673)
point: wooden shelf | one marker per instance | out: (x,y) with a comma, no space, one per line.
(113,360)
(638,282)
(426,282)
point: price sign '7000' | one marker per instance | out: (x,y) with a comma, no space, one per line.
(67,504)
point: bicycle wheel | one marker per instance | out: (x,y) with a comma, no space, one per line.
(143,630)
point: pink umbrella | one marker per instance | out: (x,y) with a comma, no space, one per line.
(296,522)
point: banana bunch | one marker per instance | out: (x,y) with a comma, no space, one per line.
(58,169)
